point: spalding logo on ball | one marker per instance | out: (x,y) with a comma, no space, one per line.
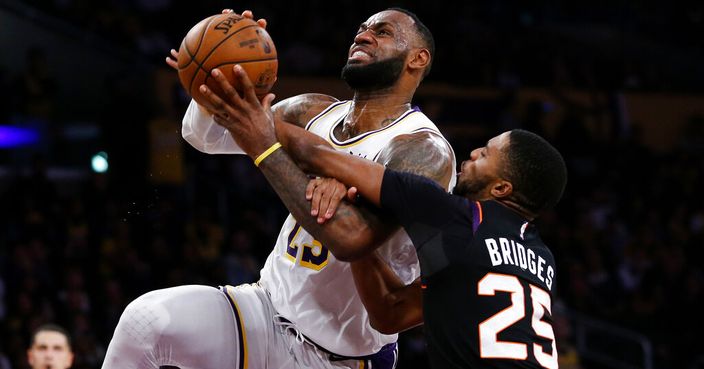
(221,41)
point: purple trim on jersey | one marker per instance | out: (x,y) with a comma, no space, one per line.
(325,111)
(476,215)
(361,137)
(386,358)
(416,108)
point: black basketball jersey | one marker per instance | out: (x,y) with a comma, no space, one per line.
(486,275)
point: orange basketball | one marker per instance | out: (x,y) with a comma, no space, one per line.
(221,41)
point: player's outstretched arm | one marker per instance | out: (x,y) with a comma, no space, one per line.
(354,231)
(251,123)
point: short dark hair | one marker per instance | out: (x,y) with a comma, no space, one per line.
(50,328)
(536,170)
(425,35)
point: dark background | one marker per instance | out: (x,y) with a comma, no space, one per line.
(617,86)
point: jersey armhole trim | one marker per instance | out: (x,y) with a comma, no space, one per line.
(323,113)
(477,216)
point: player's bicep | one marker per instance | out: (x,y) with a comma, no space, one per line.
(300,109)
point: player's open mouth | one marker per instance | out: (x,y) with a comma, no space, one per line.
(359,55)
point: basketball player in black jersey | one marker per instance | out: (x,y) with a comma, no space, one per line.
(487,278)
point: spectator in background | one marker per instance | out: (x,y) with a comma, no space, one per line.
(50,348)
(37,86)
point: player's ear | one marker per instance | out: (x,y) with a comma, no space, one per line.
(420,60)
(501,188)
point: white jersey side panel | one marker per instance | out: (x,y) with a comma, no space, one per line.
(312,289)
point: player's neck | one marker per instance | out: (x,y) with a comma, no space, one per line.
(374,110)
(523,212)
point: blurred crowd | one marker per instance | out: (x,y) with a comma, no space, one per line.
(642,46)
(75,252)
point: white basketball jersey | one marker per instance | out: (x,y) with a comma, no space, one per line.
(312,289)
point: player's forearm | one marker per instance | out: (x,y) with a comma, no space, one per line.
(300,144)
(392,306)
(352,233)
(315,155)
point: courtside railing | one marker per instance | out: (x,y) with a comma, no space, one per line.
(609,345)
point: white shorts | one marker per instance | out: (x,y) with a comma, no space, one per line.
(200,327)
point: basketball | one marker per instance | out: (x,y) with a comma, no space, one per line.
(221,41)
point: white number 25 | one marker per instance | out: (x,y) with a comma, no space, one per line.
(489,346)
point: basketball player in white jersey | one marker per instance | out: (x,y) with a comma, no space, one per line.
(305,312)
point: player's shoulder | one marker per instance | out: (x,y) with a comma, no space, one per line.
(423,153)
(302,108)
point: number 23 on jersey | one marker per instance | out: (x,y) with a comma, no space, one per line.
(313,255)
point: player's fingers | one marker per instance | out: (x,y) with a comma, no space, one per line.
(315,201)
(217,118)
(352,194)
(248,14)
(333,201)
(231,94)
(219,106)
(227,11)
(233,128)
(172,63)
(310,187)
(246,84)
(267,100)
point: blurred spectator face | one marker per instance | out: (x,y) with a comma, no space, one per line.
(50,350)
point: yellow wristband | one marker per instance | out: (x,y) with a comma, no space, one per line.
(266,153)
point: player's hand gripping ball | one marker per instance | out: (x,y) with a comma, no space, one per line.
(221,41)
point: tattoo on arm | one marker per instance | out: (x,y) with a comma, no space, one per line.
(422,153)
(349,222)
(289,182)
(300,109)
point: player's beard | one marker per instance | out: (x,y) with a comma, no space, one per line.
(472,188)
(374,76)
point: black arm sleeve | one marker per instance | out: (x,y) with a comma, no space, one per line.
(418,201)
(412,198)
(439,224)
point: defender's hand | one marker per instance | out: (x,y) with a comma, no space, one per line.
(249,120)
(325,195)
